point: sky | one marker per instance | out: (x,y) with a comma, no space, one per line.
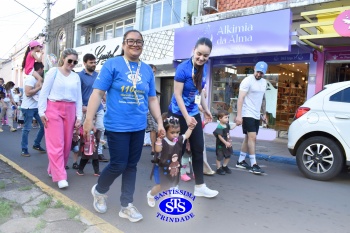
(15,20)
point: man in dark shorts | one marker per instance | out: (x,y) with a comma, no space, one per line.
(250,103)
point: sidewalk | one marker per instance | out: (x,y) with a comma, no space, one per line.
(25,207)
(275,151)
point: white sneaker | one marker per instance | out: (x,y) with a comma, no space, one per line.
(62,184)
(130,212)
(150,199)
(99,200)
(204,191)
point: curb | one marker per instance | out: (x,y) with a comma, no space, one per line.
(88,216)
(270,158)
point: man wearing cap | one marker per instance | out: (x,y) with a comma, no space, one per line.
(250,103)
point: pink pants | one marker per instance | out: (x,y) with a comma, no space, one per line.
(58,137)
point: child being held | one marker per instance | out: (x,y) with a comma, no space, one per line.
(166,159)
(223,143)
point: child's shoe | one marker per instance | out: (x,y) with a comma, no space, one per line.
(220,171)
(226,169)
(185,177)
(150,199)
(75,165)
(80,172)
(97,173)
(13,129)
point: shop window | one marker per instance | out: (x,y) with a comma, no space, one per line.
(99,34)
(337,72)
(285,91)
(109,32)
(160,14)
(341,96)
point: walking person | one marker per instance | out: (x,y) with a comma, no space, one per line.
(131,92)
(29,109)
(6,106)
(189,81)
(249,104)
(151,123)
(60,112)
(87,78)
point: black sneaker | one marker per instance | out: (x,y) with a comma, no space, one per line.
(66,167)
(256,169)
(75,166)
(80,173)
(102,158)
(226,169)
(243,165)
(25,153)
(220,171)
(39,148)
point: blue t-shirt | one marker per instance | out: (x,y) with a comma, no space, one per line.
(87,81)
(183,74)
(123,114)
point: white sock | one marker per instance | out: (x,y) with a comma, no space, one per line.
(242,156)
(252,160)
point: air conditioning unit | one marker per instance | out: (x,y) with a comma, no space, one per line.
(210,5)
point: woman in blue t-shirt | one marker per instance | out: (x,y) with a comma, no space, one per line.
(131,92)
(188,83)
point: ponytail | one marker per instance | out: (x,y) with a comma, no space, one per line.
(25,57)
(197,79)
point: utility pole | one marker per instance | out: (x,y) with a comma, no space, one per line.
(47,37)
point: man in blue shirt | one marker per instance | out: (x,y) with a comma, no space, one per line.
(87,78)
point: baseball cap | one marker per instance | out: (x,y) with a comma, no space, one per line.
(261,66)
(34,43)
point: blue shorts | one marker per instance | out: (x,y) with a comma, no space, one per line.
(156,174)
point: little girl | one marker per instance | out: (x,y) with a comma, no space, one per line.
(29,59)
(167,158)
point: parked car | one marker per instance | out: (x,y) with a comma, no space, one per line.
(319,136)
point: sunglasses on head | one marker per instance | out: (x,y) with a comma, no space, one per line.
(74,61)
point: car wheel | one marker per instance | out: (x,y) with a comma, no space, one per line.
(319,158)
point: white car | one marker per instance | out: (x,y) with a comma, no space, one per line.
(319,136)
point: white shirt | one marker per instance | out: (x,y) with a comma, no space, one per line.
(255,92)
(58,87)
(28,102)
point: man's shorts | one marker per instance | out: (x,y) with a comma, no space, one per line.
(250,125)
(223,153)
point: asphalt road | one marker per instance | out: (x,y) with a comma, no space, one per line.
(282,200)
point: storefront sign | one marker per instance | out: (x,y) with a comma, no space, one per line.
(101,50)
(338,55)
(342,24)
(259,33)
(269,59)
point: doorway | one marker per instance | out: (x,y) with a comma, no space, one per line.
(167,90)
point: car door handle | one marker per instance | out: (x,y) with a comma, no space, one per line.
(342,116)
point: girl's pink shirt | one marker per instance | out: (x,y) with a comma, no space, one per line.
(29,63)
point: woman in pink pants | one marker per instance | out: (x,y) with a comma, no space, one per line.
(60,109)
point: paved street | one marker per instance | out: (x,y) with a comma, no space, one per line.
(282,200)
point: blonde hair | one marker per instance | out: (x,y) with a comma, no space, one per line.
(66,53)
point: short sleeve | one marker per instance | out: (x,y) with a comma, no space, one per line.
(180,75)
(30,82)
(245,85)
(218,131)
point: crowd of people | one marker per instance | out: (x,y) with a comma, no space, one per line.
(75,120)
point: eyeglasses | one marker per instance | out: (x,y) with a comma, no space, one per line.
(131,42)
(74,61)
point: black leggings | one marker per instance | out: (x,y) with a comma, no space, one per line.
(197,145)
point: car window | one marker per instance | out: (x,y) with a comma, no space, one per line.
(341,96)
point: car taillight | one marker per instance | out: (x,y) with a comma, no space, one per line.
(301,111)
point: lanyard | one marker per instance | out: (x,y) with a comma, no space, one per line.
(133,76)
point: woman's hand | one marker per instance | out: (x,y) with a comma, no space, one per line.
(161,131)
(238,120)
(44,120)
(208,117)
(77,123)
(191,121)
(88,126)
